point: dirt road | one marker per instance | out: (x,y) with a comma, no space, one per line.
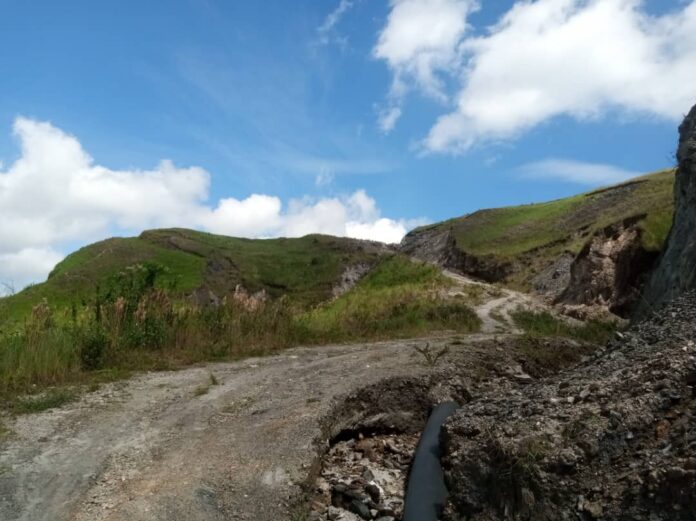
(498,303)
(174,446)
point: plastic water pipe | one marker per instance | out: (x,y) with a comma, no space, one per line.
(426,492)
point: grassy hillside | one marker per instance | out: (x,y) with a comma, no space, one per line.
(305,269)
(398,298)
(531,236)
(147,327)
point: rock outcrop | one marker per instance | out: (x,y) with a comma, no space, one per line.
(676,271)
(439,246)
(610,270)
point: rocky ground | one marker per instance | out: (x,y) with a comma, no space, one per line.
(613,438)
(364,478)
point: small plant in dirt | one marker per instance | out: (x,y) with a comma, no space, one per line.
(515,467)
(431,356)
(300,513)
(203,389)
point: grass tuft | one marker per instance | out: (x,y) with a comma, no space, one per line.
(51,399)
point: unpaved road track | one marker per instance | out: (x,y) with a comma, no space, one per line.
(496,312)
(154,448)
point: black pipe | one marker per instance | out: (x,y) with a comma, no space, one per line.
(426,492)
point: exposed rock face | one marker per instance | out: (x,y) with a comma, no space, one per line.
(613,438)
(440,247)
(676,271)
(554,279)
(350,277)
(610,270)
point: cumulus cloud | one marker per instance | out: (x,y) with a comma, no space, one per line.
(576,172)
(420,40)
(547,58)
(55,194)
(18,268)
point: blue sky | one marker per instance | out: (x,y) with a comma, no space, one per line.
(290,101)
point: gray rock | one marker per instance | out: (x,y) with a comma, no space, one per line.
(675,273)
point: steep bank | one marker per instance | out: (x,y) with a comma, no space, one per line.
(676,272)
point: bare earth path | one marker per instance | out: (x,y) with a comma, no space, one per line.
(152,448)
(495,311)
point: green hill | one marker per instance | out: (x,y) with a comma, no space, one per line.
(515,244)
(305,269)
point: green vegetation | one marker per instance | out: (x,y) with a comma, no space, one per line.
(47,400)
(532,236)
(203,389)
(399,298)
(544,324)
(134,322)
(304,269)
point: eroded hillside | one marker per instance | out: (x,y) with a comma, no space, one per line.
(593,248)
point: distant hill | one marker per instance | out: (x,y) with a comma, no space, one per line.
(551,248)
(537,246)
(306,269)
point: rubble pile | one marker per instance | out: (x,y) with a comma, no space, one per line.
(613,438)
(364,478)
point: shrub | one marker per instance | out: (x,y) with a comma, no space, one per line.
(92,348)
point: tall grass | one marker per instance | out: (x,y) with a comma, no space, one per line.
(135,324)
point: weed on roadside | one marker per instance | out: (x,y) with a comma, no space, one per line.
(203,389)
(42,402)
(430,355)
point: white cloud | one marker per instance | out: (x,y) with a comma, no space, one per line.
(547,58)
(55,194)
(326,29)
(19,268)
(576,172)
(420,38)
(388,118)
